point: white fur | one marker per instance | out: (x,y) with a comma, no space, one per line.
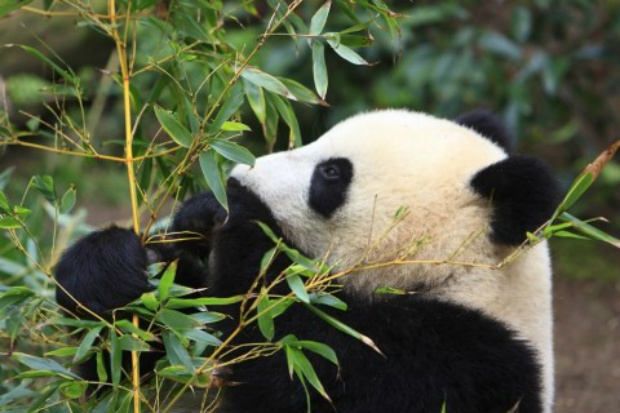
(412,160)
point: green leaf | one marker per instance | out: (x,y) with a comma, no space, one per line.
(235,127)
(102,371)
(68,200)
(14,295)
(265,319)
(128,327)
(4,203)
(211,171)
(231,105)
(590,231)
(265,80)
(202,336)
(45,185)
(344,328)
(8,6)
(319,19)
(234,152)
(61,352)
(207,317)
(285,109)
(116,358)
(37,363)
(346,53)
(302,365)
(176,352)
(73,389)
(173,127)
(86,344)
(150,301)
(9,223)
(129,343)
(319,69)
(298,287)
(69,77)
(577,189)
(166,282)
(256,98)
(176,320)
(195,302)
(302,93)
(321,349)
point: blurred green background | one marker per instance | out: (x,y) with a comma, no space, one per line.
(550,68)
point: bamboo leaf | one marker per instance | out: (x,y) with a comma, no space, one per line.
(176,320)
(346,53)
(344,328)
(298,287)
(166,282)
(86,344)
(176,352)
(173,127)
(116,358)
(265,80)
(234,152)
(265,319)
(69,77)
(591,231)
(37,363)
(231,105)
(256,98)
(235,127)
(8,6)
(195,302)
(102,371)
(319,19)
(319,68)
(68,200)
(211,171)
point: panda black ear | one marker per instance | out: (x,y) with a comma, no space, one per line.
(488,125)
(524,194)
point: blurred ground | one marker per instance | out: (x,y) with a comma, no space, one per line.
(587,344)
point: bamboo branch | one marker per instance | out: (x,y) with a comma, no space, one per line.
(121,48)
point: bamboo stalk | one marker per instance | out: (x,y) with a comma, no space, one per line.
(121,48)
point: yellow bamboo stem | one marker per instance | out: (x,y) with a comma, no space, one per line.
(121,48)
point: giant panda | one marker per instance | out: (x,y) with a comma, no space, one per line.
(464,336)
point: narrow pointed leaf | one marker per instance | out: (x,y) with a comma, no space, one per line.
(234,152)
(173,127)
(265,80)
(319,19)
(346,53)
(319,69)
(211,171)
(86,344)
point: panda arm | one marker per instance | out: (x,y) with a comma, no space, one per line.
(107,269)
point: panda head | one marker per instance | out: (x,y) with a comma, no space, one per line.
(409,188)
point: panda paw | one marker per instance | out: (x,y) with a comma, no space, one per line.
(102,271)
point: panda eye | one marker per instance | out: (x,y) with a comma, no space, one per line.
(330,172)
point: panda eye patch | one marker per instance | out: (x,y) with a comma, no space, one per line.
(328,187)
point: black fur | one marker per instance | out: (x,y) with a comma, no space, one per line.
(488,125)
(524,194)
(435,352)
(329,184)
(103,271)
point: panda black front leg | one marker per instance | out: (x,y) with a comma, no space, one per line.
(102,271)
